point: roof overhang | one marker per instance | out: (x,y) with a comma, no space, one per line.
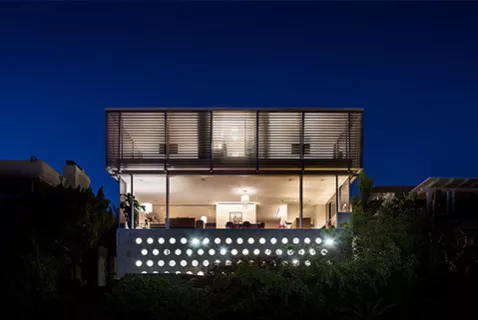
(457,184)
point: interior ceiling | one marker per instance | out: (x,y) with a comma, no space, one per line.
(209,190)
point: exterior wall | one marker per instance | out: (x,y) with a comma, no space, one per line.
(75,177)
(31,169)
(195,251)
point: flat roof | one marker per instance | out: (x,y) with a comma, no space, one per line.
(459,184)
(231,108)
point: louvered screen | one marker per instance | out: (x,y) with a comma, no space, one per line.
(112,140)
(279,139)
(188,140)
(356,123)
(241,139)
(142,134)
(327,135)
(234,139)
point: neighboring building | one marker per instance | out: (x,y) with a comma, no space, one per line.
(255,171)
(450,202)
(19,177)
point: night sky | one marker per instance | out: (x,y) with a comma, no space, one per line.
(412,67)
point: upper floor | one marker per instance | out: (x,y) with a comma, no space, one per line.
(182,139)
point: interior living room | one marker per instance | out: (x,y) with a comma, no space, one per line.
(238,201)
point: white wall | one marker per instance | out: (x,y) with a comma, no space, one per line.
(223,210)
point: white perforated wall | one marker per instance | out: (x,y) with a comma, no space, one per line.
(193,251)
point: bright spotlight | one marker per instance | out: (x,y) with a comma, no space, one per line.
(195,241)
(329,242)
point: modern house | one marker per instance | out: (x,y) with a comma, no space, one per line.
(223,185)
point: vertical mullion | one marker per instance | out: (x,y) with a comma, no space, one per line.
(120,143)
(167,201)
(132,202)
(257,141)
(210,140)
(349,156)
(337,205)
(301,200)
(166,141)
(302,138)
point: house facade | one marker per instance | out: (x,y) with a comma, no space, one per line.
(221,186)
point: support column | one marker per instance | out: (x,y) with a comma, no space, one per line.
(337,204)
(132,204)
(167,201)
(448,201)
(301,200)
(452,201)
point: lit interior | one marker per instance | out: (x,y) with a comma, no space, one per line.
(218,199)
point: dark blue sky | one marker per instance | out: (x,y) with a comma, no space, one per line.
(413,67)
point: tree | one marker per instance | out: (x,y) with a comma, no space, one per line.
(50,234)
